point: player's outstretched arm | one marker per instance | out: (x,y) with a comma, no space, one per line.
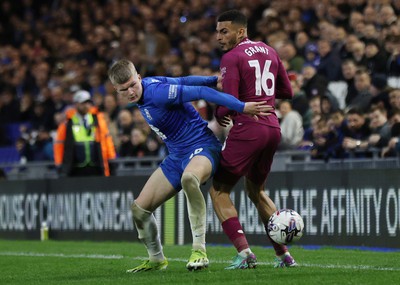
(192,80)
(193,93)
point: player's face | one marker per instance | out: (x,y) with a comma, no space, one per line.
(132,89)
(228,35)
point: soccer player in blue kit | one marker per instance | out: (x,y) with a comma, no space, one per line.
(194,151)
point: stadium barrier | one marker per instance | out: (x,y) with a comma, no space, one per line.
(359,207)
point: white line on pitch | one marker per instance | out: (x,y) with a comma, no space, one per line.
(102,256)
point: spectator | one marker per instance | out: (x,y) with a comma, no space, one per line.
(337,125)
(9,106)
(311,55)
(96,85)
(125,125)
(380,128)
(153,46)
(315,106)
(313,83)
(110,106)
(301,41)
(288,53)
(392,46)
(307,142)
(329,104)
(356,132)
(386,15)
(379,92)
(376,58)
(291,126)
(394,100)
(362,82)
(349,69)
(323,139)
(83,145)
(136,146)
(358,53)
(26,107)
(345,52)
(393,146)
(36,145)
(330,62)
(299,100)
(370,15)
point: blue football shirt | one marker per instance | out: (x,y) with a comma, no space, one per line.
(165,104)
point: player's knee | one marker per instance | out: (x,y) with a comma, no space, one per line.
(139,214)
(189,181)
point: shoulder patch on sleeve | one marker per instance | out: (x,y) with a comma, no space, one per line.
(173,91)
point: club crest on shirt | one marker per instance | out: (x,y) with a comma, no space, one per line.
(223,71)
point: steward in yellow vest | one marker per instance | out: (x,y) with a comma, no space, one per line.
(83,145)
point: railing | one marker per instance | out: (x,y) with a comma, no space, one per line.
(283,161)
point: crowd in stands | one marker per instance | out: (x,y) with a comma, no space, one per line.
(342,57)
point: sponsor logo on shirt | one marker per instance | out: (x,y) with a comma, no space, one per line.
(148,114)
(173,91)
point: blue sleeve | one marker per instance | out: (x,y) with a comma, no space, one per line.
(191,93)
(169,95)
(190,80)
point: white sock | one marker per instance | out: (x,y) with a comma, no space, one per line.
(245,252)
(282,257)
(196,208)
(146,227)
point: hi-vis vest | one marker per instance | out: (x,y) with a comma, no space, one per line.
(85,141)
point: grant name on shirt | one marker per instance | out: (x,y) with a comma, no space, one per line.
(255,49)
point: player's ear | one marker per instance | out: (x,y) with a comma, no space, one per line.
(242,32)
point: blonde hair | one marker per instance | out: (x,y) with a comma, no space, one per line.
(121,71)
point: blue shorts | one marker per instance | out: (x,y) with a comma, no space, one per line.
(174,164)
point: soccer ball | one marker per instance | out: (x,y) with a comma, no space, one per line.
(285,226)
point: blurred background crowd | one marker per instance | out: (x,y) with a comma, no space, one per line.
(342,57)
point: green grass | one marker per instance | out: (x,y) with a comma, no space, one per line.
(59,262)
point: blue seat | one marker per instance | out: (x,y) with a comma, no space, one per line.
(13,131)
(9,155)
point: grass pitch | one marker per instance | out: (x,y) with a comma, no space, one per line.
(59,262)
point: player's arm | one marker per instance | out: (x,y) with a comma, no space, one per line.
(170,95)
(230,85)
(192,80)
(283,89)
(193,93)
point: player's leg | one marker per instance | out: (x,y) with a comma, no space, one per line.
(156,191)
(266,207)
(254,185)
(228,216)
(233,163)
(197,171)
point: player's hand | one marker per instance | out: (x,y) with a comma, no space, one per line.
(219,82)
(225,121)
(258,109)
